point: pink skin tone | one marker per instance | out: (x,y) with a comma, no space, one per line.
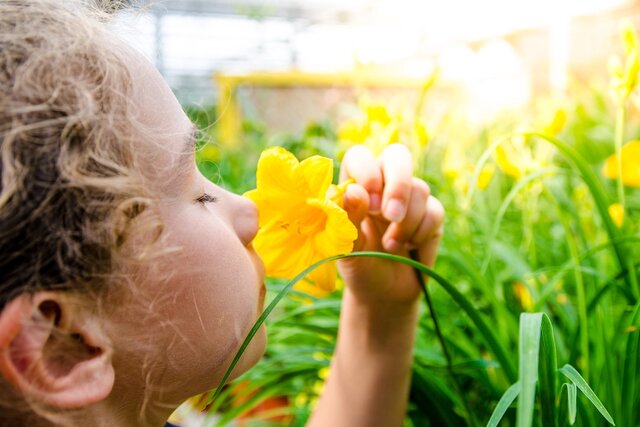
(192,308)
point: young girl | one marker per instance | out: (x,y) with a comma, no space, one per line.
(127,280)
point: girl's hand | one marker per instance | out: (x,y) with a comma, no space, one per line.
(394,212)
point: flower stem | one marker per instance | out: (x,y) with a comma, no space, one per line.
(436,325)
(619,138)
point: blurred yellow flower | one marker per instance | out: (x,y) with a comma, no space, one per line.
(454,162)
(523,295)
(505,163)
(209,152)
(557,123)
(486,174)
(624,77)
(522,156)
(376,127)
(630,165)
(456,168)
(299,223)
(616,212)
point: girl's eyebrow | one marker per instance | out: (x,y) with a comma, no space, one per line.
(186,155)
(191,140)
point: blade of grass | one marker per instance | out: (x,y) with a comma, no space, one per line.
(572,395)
(436,325)
(503,404)
(630,369)
(497,349)
(575,377)
(429,391)
(529,352)
(547,375)
(465,264)
(580,293)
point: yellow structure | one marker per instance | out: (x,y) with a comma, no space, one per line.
(230,115)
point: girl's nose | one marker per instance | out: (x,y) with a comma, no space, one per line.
(245,220)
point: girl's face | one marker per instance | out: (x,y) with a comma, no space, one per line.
(193,306)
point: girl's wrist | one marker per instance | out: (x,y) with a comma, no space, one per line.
(381,318)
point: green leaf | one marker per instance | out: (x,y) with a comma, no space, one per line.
(630,369)
(548,367)
(572,394)
(575,377)
(529,350)
(503,404)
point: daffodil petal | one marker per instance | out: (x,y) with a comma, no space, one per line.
(324,277)
(317,173)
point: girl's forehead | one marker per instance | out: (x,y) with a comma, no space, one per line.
(157,106)
(157,112)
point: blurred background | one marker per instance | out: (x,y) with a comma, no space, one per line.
(494,54)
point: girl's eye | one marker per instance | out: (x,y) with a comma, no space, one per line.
(206,198)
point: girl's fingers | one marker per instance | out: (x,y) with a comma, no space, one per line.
(400,233)
(428,235)
(356,203)
(397,170)
(358,163)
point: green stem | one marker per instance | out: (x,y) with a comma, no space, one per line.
(619,139)
(436,326)
(580,294)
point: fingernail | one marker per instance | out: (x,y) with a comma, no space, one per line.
(391,245)
(394,210)
(374,203)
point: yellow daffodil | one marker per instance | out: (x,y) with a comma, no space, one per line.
(300,216)
(616,212)
(630,165)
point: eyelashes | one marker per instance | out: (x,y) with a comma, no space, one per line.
(206,198)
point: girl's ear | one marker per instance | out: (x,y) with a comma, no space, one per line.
(54,352)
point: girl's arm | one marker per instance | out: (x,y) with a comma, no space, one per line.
(369,380)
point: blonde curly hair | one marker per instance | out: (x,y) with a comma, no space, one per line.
(69,185)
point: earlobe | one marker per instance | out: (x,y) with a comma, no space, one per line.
(54,353)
